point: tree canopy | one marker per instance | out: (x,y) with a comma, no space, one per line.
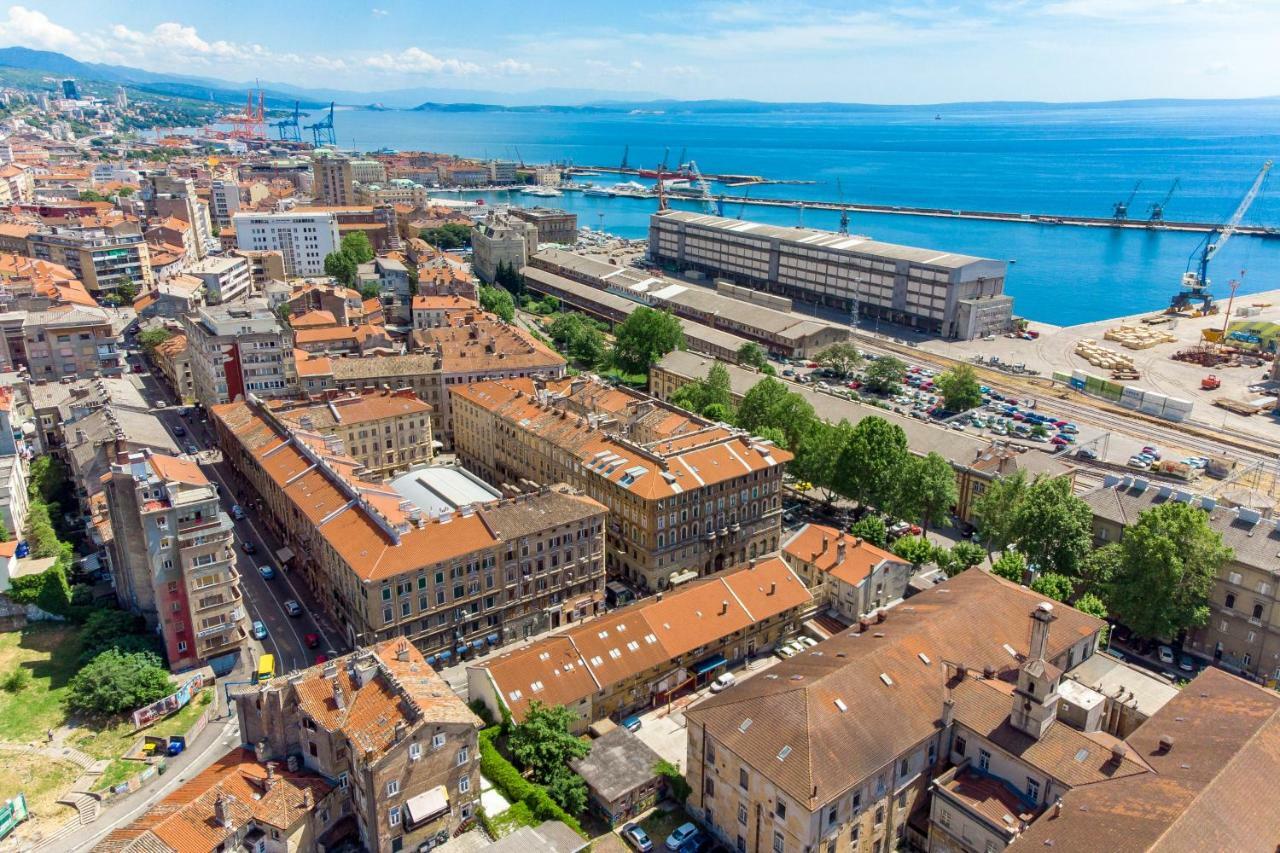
(927,489)
(644,337)
(916,550)
(871,528)
(497,301)
(451,235)
(1011,566)
(770,404)
(711,393)
(752,354)
(579,337)
(341,266)
(357,245)
(116,682)
(994,511)
(873,462)
(817,456)
(959,388)
(884,374)
(843,358)
(1053,527)
(543,745)
(152,338)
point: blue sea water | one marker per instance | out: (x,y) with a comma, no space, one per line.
(1068,160)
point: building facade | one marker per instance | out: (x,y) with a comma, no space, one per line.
(501,240)
(101,257)
(239,349)
(224,201)
(302,238)
(333,181)
(225,278)
(71,341)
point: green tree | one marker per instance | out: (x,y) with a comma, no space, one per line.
(1053,527)
(966,555)
(995,510)
(568,790)
(677,785)
(152,338)
(751,354)
(960,388)
(116,682)
(873,461)
(871,528)
(542,743)
(342,267)
(497,301)
(1091,604)
(126,192)
(451,235)
(92,195)
(1055,586)
(843,358)
(357,245)
(777,436)
(885,374)
(927,489)
(509,278)
(770,404)
(127,289)
(1010,565)
(1170,558)
(284,312)
(916,550)
(370,290)
(644,337)
(817,456)
(709,394)
(1099,569)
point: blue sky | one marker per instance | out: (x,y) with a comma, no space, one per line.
(893,51)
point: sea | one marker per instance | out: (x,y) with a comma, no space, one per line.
(1036,159)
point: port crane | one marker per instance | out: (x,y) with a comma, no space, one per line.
(288,127)
(704,188)
(626,150)
(1195,281)
(1157,207)
(1120,210)
(322,131)
(844,211)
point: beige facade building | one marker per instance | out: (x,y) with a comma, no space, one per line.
(849,576)
(501,239)
(73,340)
(687,497)
(101,257)
(333,182)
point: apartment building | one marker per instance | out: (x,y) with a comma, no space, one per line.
(849,576)
(387,432)
(1242,633)
(168,196)
(224,201)
(302,238)
(173,357)
(225,279)
(554,225)
(650,653)
(951,295)
(368,171)
(239,349)
(687,497)
(102,257)
(70,341)
(399,747)
(502,172)
(431,312)
(333,181)
(264,266)
(435,557)
(501,239)
(174,557)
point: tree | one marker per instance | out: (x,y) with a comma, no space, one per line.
(843,358)
(125,192)
(885,374)
(1011,566)
(817,456)
(770,404)
(995,510)
(644,337)
(92,195)
(451,235)
(966,555)
(872,462)
(1053,527)
(284,312)
(127,289)
(370,290)
(542,744)
(152,338)
(497,301)
(777,436)
(342,267)
(1170,558)
(870,528)
(568,790)
(927,489)
(115,682)
(677,785)
(509,278)
(1091,604)
(959,388)
(705,394)
(114,629)
(357,245)
(751,354)
(916,550)
(1055,586)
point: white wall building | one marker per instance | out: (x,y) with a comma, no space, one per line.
(225,278)
(302,238)
(224,201)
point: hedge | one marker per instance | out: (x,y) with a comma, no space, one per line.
(507,779)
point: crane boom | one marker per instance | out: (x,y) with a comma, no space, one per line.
(1229,228)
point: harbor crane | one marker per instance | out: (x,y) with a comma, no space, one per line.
(322,131)
(704,188)
(1157,207)
(1120,210)
(844,211)
(626,150)
(288,127)
(1195,281)
(681,161)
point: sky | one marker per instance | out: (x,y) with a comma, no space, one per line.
(890,51)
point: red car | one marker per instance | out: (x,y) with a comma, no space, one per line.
(312,640)
(321,658)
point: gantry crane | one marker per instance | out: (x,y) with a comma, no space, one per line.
(1120,210)
(322,131)
(1156,211)
(288,127)
(1195,281)
(844,211)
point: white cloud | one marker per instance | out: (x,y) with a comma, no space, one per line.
(415,60)
(379,13)
(514,68)
(32,28)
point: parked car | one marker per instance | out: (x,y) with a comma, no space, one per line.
(696,843)
(900,528)
(1087,453)
(259,631)
(247,546)
(680,835)
(1186,663)
(192,450)
(267,572)
(1165,655)
(808,641)
(631,724)
(635,835)
(312,640)
(179,430)
(293,608)
(723,682)
(785,651)
(322,658)
(1058,441)
(237,512)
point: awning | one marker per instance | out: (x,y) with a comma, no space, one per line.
(445,655)
(429,804)
(705,666)
(493,639)
(284,554)
(462,650)
(677,578)
(477,644)
(431,660)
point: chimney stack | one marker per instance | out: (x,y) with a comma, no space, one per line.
(840,552)
(222,811)
(948,712)
(402,650)
(338,698)
(270,781)
(1166,744)
(752,563)
(308,799)
(724,606)
(826,543)
(1040,619)
(1118,753)
(400,729)
(773,587)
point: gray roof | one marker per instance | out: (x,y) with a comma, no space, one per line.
(1114,678)
(442,489)
(119,391)
(551,836)
(618,763)
(512,519)
(77,316)
(1255,541)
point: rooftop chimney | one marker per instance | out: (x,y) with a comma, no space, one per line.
(1166,743)
(881,616)
(826,543)
(400,728)
(1040,619)
(1118,753)
(1057,807)
(308,799)
(338,698)
(773,587)
(752,563)
(270,781)
(402,650)
(222,811)
(840,551)
(724,606)
(948,712)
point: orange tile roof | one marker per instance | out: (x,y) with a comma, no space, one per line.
(313,319)
(820,545)
(350,409)
(444,303)
(175,470)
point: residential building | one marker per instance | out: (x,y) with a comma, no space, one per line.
(621,776)
(238,803)
(224,201)
(238,349)
(333,181)
(977,462)
(1242,633)
(368,172)
(850,576)
(433,312)
(379,222)
(173,357)
(171,196)
(73,340)
(951,295)
(362,340)
(387,432)
(303,238)
(175,556)
(751,314)
(688,497)
(343,305)
(400,748)
(434,555)
(502,172)
(60,403)
(14,500)
(264,266)
(554,226)
(171,298)
(102,257)
(501,239)
(650,653)
(225,279)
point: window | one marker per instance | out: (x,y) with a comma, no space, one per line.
(780,809)
(462,756)
(742,814)
(393,787)
(1231,600)
(415,751)
(831,815)
(464,784)
(437,741)
(710,787)
(393,816)
(1257,611)
(984,760)
(343,780)
(779,843)
(1234,578)
(742,844)
(904,767)
(1033,789)
(855,833)
(711,751)
(742,779)
(856,803)
(879,815)
(944,817)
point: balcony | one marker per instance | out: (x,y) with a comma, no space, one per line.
(214,602)
(236,616)
(222,578)
(232,635)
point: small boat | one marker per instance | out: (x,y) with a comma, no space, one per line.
(937,117)
(541,192)
(597,191)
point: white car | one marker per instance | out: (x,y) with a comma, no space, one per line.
(786,651)
(723,682)
(808,641)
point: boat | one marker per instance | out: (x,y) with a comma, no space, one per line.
(937,117)
(542,192)
(663,175)
(630,189)
(597,191)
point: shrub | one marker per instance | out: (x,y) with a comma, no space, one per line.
(115,682)
(16,681)
(507,779)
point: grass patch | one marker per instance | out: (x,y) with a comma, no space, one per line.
(112,741)
(513,818)
(41,780)
(50,654)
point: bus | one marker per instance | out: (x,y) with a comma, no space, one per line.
(266,667)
